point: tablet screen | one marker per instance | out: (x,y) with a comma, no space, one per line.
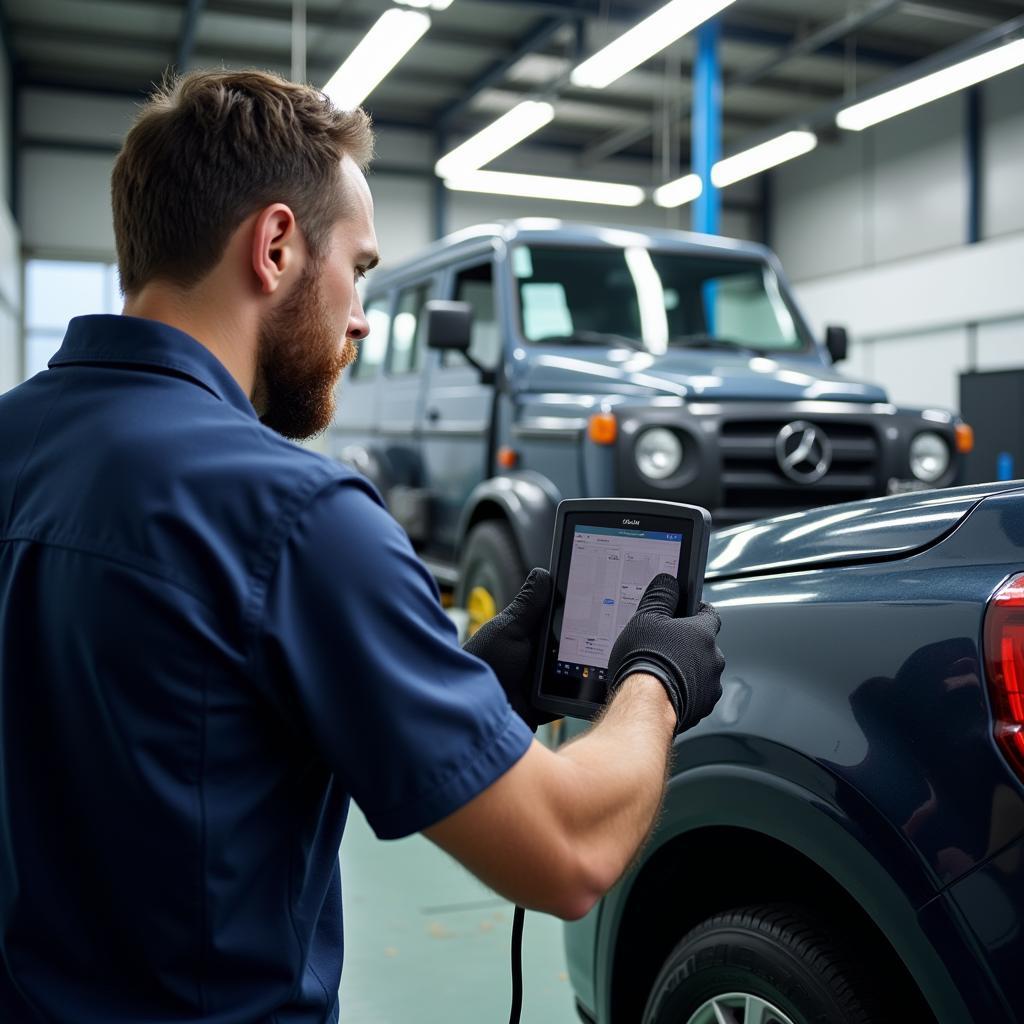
(609,570)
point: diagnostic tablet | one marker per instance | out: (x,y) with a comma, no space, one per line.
(604,553)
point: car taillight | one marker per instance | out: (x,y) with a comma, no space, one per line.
(1004,663)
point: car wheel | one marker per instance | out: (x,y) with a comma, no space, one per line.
(490,572)
(762,965)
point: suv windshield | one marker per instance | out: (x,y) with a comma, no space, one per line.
(651,300)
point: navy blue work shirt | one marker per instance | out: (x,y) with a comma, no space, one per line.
(210,640)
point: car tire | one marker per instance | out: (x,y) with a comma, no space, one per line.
(490,572)
(770,964)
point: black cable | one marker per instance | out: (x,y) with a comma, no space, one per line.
(517,965)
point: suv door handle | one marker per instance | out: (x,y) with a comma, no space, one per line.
(433,415)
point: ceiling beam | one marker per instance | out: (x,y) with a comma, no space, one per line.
(824,117)
(536,39)
(816,40)
(341,20)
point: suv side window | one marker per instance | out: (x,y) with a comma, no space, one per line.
(375,344)
(405,352)
(475,286)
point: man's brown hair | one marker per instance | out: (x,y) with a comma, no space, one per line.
(208,149)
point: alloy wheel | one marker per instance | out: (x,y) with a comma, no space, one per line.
(738,1008)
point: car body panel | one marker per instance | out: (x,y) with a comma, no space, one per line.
(707,374)
(991,900)
(854,727)
(891,527)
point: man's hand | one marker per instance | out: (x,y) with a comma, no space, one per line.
(681,653)
(511,641)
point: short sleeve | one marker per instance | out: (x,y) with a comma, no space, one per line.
(353,643)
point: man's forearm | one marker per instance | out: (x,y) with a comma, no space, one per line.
(556,831)
(614,787)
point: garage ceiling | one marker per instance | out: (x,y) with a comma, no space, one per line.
(782,59)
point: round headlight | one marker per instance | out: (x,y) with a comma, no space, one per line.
(658,453)
(929,457)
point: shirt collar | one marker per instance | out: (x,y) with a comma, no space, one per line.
(133,341)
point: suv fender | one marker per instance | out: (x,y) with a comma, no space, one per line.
(859,853)
(527,501)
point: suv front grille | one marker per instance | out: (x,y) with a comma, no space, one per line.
(753,485)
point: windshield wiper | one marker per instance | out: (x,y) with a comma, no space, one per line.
(713,341)
(592,338)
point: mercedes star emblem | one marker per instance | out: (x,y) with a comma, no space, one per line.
(803,451)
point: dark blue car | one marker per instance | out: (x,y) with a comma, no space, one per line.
(843,839)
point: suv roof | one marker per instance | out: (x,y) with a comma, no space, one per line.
(483,237)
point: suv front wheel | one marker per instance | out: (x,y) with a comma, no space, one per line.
(762,965)
(490,572)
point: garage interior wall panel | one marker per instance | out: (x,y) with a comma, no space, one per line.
(863,198)
(1002,154)
(89,118)
(401,214)
(872,229)
(921,371)
(6,140)
(10,255)
(917,195)
(819,216)
(65,203)
(1000,345)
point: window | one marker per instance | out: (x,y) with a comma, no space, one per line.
(475,287)
(375,344)
(652,300)
(55,292)
(405,350)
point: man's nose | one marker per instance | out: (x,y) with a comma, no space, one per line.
(358,326)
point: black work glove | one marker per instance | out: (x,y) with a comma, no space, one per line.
(681,653)
(511,642)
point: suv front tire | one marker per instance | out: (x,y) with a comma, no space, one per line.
(490,572)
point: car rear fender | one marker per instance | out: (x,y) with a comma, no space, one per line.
(834,829)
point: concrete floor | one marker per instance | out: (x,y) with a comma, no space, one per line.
(426,942)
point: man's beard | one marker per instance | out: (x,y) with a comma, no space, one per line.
(299,361)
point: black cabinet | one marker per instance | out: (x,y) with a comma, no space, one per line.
(993,404)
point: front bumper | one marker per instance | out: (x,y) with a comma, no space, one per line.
(731,467)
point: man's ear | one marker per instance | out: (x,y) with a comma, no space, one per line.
(274,238)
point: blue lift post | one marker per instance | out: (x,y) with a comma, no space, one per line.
(706,143)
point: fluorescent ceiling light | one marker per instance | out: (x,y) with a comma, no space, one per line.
(434,5)
(682,190)
(644,40)
(760,158)
(393,35)
(536,186)
(511,128)
(931,87)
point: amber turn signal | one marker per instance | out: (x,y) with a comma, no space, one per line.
(964,438)
(603,428)
(508,458)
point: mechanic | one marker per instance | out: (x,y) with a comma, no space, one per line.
(211,639)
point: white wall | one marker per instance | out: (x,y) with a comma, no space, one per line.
(10,257)
(69,142)
(872,228)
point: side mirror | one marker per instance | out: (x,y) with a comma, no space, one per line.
(449,325)
(837,341)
